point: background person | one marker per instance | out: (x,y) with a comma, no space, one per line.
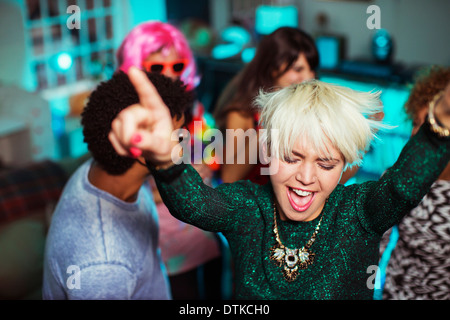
(105,223)
(416,266)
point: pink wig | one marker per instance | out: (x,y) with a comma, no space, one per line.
(156,36)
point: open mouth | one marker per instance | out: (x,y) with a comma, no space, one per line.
(300,200)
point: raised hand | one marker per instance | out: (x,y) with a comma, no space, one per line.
(145,128)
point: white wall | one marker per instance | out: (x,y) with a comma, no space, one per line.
(420,28)
(14,69)
(220,14)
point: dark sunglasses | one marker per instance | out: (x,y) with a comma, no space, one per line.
(177,66)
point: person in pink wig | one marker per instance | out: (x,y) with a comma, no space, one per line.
(159,47)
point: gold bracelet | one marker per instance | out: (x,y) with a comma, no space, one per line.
(435,126)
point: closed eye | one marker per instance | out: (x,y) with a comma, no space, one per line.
(327,167)
(327,163)
(289,160)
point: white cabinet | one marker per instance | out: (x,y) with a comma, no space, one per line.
(15,144)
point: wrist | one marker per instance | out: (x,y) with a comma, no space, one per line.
(166,161)
(158,165)
(164,166)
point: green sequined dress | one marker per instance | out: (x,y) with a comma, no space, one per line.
(346,248)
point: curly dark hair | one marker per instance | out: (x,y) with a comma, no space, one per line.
(116,94)
(427,84)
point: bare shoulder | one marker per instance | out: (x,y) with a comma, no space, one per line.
(238,120)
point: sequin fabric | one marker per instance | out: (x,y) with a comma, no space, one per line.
(346,248)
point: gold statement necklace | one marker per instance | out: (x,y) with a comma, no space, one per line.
(292,260)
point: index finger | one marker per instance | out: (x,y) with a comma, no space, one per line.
(148,95)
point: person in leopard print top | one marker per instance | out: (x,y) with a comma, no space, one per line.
(419,265)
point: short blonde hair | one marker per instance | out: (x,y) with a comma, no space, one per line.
(319,112)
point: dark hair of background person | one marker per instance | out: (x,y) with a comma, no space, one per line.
(280,48)
(427,84)
(116,94)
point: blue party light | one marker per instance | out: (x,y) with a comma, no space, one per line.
(237,35)
(329,48)
(270,18)
(64,61)
(235,38)
(248,54)
(224,51)
(382,46)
